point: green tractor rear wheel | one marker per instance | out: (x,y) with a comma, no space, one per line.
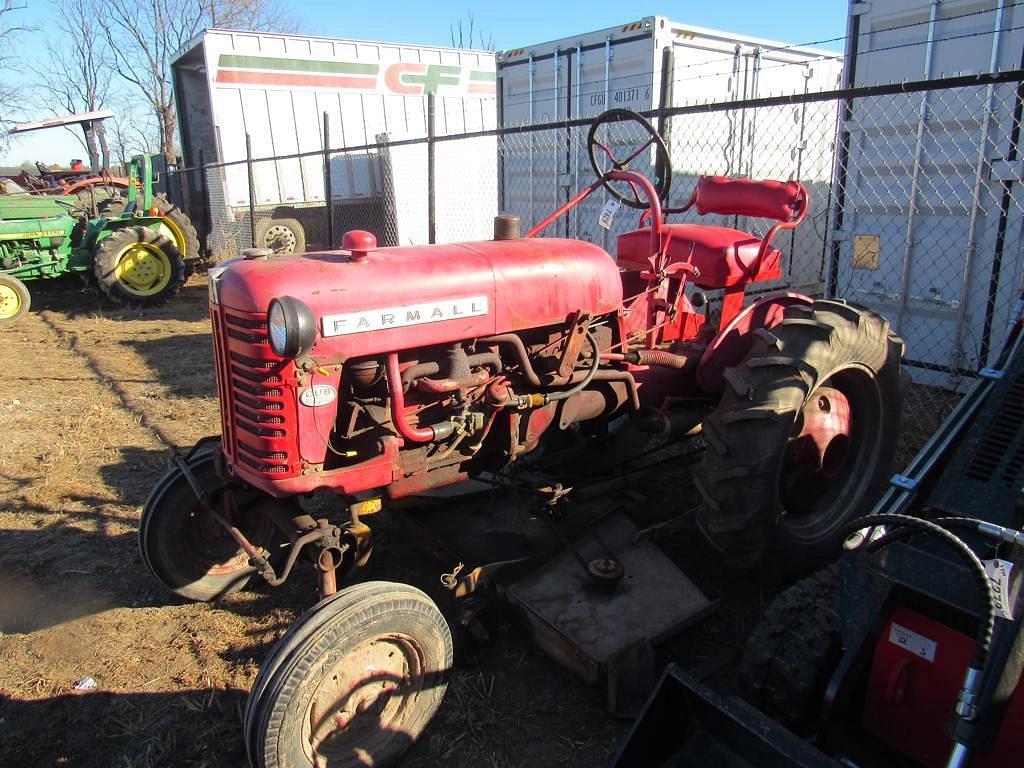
(175,225)
(139,267)
(14,299)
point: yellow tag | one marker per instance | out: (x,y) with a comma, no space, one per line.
(323,371)
(368,507)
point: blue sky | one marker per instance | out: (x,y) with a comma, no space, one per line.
(513,24)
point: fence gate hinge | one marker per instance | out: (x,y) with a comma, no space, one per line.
(1006,170)
(840,235)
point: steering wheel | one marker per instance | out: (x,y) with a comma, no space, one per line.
(71,208)
(44,169)
(603,160)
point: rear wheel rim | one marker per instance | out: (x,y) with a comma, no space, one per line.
(143,269)
(173,232)
(366,699)
(828,466)
(10,302)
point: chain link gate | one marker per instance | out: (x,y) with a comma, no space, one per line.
(916,209)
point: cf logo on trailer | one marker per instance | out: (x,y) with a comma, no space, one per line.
(415,79)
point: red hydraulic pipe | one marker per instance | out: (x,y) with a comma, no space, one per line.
(630,176)
(397,399)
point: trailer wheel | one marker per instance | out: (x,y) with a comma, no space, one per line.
(803,438)
(282,236)
(353,682)
(139,267)
(188,551)
(794,650)
(14,299)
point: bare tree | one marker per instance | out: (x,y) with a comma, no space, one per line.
(8,93)
(463,34)
(143,38)
(77,73)
(129,133)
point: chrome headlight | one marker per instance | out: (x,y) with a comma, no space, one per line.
(291,329)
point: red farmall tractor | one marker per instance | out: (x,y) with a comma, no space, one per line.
(376,374)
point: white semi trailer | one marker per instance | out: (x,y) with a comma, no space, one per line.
(655,61)
(274,89)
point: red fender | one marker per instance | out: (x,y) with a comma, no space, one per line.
(733,342)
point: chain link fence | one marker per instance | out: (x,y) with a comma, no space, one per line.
(916,209)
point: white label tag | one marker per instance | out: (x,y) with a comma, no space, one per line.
(401,317)
(608,213)
(998,572)
(908,639)
(319,394)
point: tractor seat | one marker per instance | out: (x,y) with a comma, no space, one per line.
(723,256)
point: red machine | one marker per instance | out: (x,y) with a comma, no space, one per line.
(384,372)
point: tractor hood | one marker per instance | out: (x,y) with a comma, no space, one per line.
(399,298)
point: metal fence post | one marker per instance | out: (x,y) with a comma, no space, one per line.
(252,191)
(664,101)
(431,186)
(328,182)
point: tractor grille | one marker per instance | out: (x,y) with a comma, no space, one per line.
(256,404)
(1000,452)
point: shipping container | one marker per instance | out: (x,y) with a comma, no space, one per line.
(275,90)
(929,195)
(656,62)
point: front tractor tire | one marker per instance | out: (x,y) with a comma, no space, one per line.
(14,299)
(139,267)
(187,550)
(352,683)
(804,437)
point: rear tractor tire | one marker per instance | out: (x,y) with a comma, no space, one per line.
(14,299)
(176,225)
(804,437)
(139,267)
(354,682)
(187,550)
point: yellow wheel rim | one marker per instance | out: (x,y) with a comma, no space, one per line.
(143,269)
(10,302)
(173,232)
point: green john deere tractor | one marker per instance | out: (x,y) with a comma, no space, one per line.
(136,251)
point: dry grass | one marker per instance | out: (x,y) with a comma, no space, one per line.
(90,398)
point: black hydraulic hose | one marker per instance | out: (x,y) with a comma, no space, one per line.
(567,393)
(987,625)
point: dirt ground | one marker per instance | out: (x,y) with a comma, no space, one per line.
(91,396)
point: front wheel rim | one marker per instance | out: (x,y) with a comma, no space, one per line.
(143,269)
(366,699)
(10,302)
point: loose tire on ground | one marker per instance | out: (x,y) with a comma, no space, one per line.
(282,236)
(761,497)
(794,650)
(354,682)
(139,267)
(187,550)
(14,299)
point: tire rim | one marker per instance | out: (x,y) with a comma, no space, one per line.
(280,239)
(143,269)
(173,232)
(10,302)
(366,699)
(211,549)
(831,456)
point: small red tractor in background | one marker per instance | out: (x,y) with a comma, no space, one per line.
(382,373)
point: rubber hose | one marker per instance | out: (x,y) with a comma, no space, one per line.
(567,393)
(987,626)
